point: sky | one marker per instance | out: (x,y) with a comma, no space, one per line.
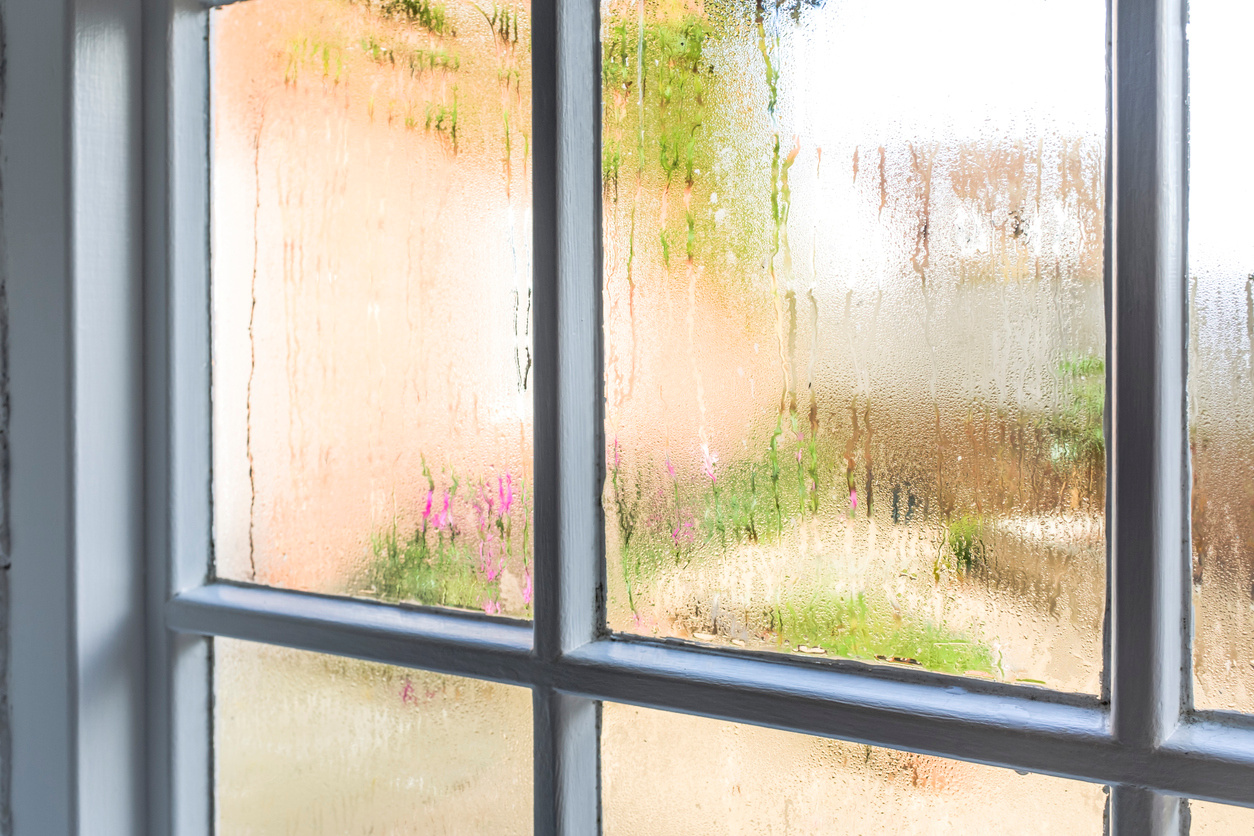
(925,68)
(875,71)
(1221,116)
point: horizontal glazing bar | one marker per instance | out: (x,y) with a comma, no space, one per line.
(486,648)
(946,718)
(1207,760)
(997,725)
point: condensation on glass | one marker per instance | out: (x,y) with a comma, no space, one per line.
(854,330)
(1209,819)
(1221,362)
(306,743)
(372,358)
(675,774)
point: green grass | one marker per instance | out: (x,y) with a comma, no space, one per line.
(857,628)
(436,574)
(740,509)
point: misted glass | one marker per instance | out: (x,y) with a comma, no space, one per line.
(371,211)
(306,743)
(1221,359)
(854,330)
(670,774)
(1208,819)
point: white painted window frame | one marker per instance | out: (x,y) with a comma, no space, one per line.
(107,501)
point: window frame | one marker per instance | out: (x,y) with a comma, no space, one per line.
(111,421)
(1140,735)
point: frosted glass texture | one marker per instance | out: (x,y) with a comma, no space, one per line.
(372,299)
(670,774)
(854,330)
(1221,362)
(1207,819)
(313,744)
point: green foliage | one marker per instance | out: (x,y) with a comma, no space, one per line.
(1077,427)
(858,628)
(417,60)
(305,52)
(772,463)
(626,500)
(375,50)
(666,66)
(504,22)
(439,573)
(443,119)
(965,539)
(618,50)
(611,162)
(680,87)
(736,512)
(462,549)
(426,13)
(618,78)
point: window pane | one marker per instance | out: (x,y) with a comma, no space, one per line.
(372,299)
(1207,819)
(1221,363)
(675,774)
(306,743)
(854,330)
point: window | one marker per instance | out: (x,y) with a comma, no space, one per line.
(120,624)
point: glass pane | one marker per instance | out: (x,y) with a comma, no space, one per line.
(854,330)
(372,299)
(306,743)
(674,774)
(1207,819)
(1221,363)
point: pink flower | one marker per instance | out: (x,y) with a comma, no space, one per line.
(426,514)
(506,490)
(527,589)
(486,499)
(444,519)
(492,607)
(407,692)
(670,468)
(488,567)
(853,499)
(684,533)
(711,459)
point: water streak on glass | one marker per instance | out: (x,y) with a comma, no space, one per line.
(372,298)
(854,330)
(670,774)
(1221,362)
(314,744)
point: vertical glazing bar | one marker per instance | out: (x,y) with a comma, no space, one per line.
(39,758)
(1149,513)
(568,408)
(567,736)
(107,528)
(568,431)
(1136,810)
(176,351)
